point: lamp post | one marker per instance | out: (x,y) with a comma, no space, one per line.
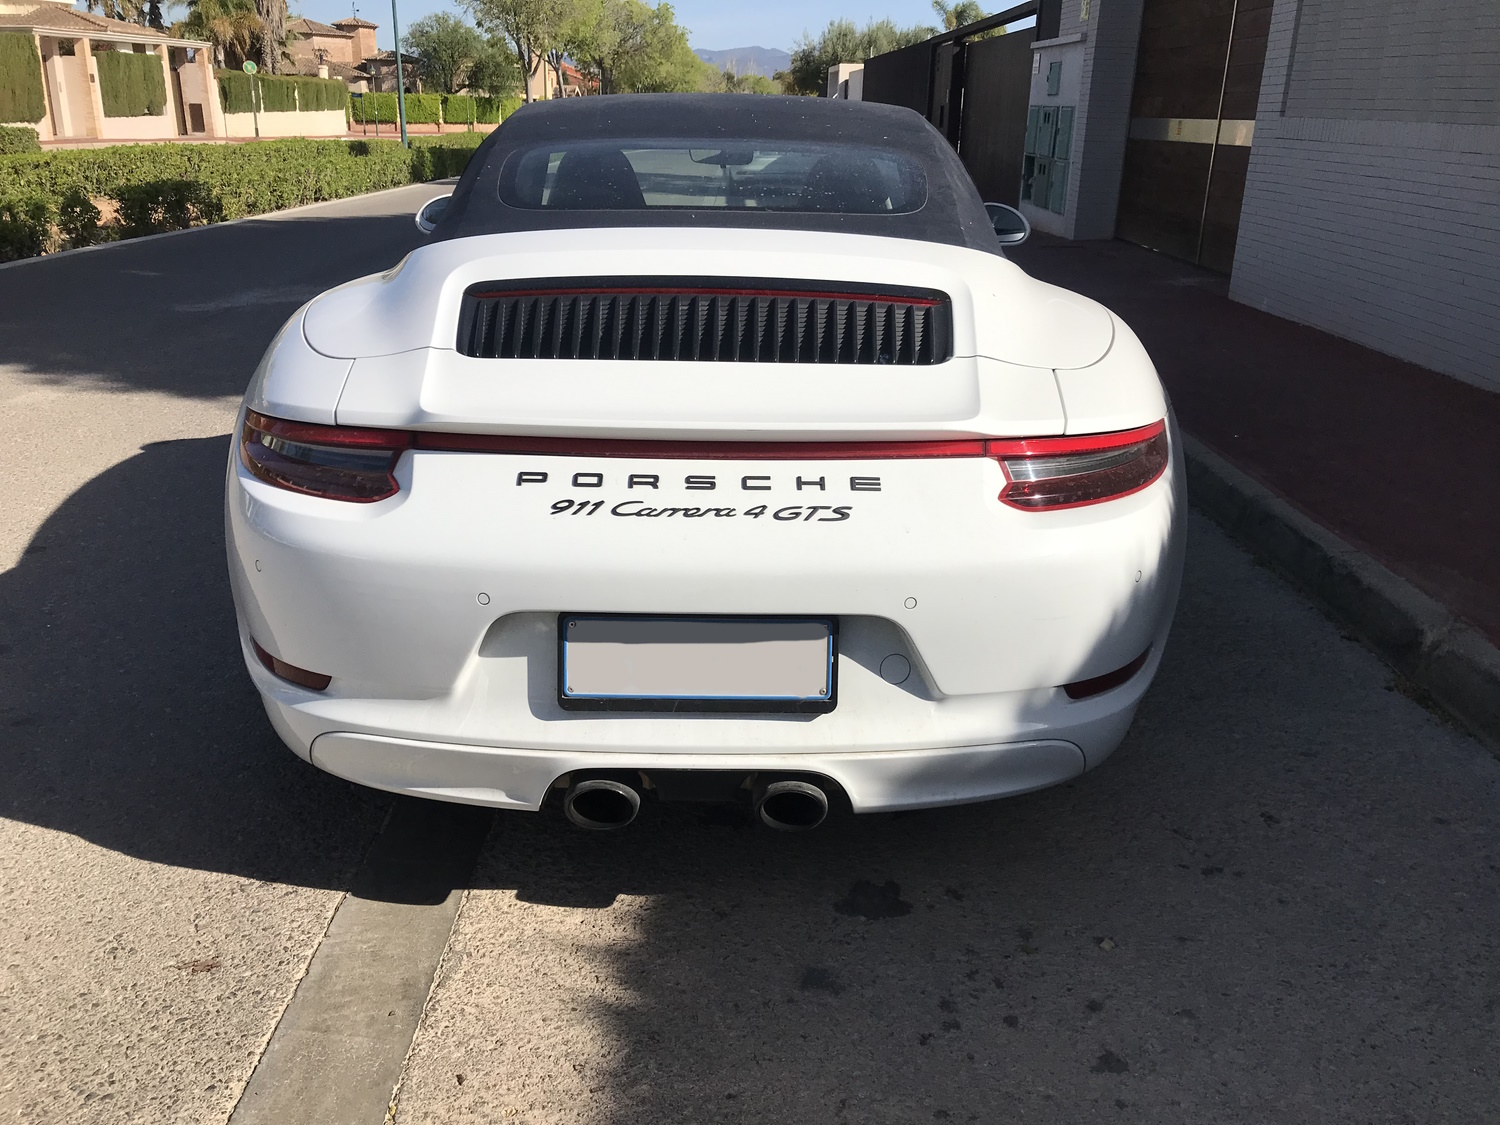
(400,77)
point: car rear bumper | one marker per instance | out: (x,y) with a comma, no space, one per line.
(519,779)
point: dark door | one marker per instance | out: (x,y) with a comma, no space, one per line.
(992,138)
(1192,118)
(901,77)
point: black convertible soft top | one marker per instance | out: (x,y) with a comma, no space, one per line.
(952,213)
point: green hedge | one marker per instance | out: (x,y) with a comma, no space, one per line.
(319,94)
(421,109)
(236,91)
(20,79)
(458,109)
(18,138)
(169,186)
(280,94)
(131,85)
(492,111)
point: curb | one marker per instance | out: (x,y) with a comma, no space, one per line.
(1416,635)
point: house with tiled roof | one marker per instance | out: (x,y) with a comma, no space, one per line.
(78,89)
(346,50)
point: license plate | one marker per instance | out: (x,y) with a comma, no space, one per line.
(630,663)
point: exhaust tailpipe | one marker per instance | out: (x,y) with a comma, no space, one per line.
(791,806)
(600,804)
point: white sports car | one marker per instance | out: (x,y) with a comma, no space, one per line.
(710,450)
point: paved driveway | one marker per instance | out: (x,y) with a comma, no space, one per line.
(1276,903)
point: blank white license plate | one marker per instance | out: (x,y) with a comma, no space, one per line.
(696,663)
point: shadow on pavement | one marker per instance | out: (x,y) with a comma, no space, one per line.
(189,315)
(1276,903)
(126,715)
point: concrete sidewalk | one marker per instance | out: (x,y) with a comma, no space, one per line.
(1399,461)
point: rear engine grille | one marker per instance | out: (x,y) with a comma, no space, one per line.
(724,322)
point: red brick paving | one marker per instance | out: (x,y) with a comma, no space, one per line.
(1400,461)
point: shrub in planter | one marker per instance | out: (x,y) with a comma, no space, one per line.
(164,205)
(20,79)
(18,138)
(25,227)
(131,85)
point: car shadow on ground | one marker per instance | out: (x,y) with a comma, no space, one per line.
(127,717)
(1276,902)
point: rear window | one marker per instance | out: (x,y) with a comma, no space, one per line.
(648,175)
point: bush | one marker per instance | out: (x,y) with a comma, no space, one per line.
(186,184)
(18,138)
(25,227)
(131,85)
(163,205)
(277,95)
(421,109)
(20,79)
(458,109)
(316,94)
(492,111)
(78,219)
(236,91)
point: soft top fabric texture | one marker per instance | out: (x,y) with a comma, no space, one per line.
(953,213)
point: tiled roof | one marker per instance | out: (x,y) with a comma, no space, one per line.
(355,21)
(51,17)
(313,27)
(309,68)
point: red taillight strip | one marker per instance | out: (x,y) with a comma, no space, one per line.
(315,434)
(1059,446)
(632,291)
(701,450)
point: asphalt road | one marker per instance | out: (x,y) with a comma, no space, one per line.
(1276,903)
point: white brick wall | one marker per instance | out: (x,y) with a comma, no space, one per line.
(1386,232)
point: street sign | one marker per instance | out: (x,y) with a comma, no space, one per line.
(249,67)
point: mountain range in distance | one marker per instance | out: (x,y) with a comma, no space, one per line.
(748,60)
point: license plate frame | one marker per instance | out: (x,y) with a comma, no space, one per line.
(760,703)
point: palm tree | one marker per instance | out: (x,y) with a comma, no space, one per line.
(231,27)
(273,40)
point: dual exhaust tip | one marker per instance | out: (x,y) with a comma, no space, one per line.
(600,804)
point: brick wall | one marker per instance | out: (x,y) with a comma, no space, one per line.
(1372,207)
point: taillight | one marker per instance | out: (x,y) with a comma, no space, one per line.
(334,462)
(1052,473)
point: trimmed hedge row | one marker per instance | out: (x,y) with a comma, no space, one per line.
(421,109)
(20,79)
(131,84)
(18,138)
(171,186)
(278,94)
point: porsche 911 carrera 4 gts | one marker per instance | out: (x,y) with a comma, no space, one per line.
(709,449)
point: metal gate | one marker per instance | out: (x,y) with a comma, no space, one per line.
(992,136)
(974,91)
(1192,119)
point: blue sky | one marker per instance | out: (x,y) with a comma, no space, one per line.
(712,24)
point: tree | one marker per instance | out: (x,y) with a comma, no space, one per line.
(529,26)
(957,14)
(631,47)
(728,82)
(273,33)
(231,27)
(494,71)
(842,41)
(446,48)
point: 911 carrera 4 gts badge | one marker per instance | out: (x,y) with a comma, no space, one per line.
(702,482)
(805,513)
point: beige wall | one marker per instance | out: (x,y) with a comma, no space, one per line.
(324,123)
